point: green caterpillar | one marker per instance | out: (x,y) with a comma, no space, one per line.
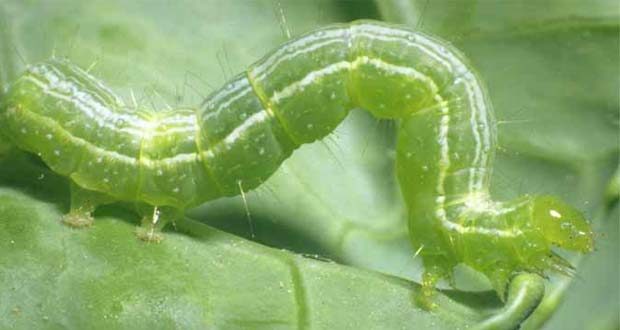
(298,94)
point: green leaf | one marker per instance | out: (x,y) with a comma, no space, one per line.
(198,277)
(337,199)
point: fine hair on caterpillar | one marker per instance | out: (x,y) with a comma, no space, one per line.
(173,160)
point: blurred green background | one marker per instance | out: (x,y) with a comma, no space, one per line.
(332,246)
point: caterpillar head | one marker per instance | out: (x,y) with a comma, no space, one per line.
(563,225)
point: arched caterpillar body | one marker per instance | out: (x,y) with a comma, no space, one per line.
(297,94)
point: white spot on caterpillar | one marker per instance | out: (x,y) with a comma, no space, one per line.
(48,136)
(555,214)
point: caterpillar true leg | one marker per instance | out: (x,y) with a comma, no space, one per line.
(83,204)
(432,274)
(154,219)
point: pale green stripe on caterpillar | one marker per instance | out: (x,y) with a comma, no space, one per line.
(297,94)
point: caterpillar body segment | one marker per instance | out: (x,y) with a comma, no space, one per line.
(299,93)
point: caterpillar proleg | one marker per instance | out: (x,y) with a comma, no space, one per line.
(297,94)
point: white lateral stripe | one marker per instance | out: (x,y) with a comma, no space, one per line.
(413,39)
(222,94)
(254,119)
(81,142)
(271,63)
(453,226)
(104,117)
(308,44)
(396,69)
(97,82)
(313,76)
(185,157)
(99,113)
(473,122)
(49,71)
(118,156)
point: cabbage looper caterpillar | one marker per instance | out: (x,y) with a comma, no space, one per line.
(298,94)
